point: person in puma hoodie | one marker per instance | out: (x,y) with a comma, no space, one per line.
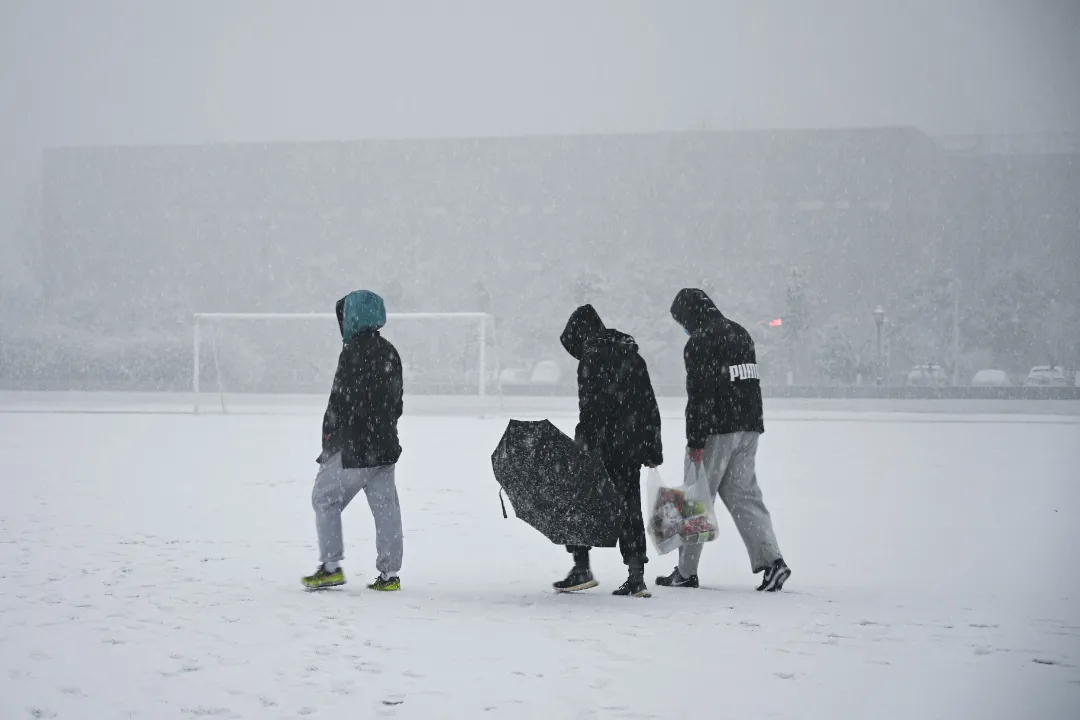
(360,446)
(619,420)
(724,420)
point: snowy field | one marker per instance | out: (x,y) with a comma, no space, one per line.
(150,565)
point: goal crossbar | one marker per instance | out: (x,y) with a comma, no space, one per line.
(327,316)
(481,319)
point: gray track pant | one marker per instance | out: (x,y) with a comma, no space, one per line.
(729,468)
(335,487)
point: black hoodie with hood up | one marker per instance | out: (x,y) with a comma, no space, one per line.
(365,400)
(723,387)
(618,415)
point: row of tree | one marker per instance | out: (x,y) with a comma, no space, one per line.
(1009,321)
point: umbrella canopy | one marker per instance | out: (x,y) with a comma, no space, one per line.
(555,487)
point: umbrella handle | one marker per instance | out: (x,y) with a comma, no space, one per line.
(505,516)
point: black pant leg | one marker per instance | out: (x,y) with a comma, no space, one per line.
(627,480)
(580,553)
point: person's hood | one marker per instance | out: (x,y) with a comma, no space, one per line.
(693,308)
(583,326)
(615,340)
(358,312)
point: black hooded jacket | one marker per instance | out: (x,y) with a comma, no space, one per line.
(618,415)
(365,401)
(723,387)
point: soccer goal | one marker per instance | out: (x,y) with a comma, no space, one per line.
(279,356)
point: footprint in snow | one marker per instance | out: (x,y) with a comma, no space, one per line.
(207,712)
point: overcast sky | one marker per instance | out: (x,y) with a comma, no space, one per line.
(188,71)
(140,71)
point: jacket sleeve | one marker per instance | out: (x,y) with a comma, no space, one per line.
(654,446)
(699,392)
(387,387)
(396,386)
(589,410)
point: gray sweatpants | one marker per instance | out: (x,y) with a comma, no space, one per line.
(729,469)
(335,487)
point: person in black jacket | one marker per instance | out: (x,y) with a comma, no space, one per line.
(724,420)
(360,443)
(619,419)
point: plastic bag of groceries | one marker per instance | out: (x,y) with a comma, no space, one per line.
(680,515)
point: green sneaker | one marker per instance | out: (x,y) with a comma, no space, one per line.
(323,578)
(388,585)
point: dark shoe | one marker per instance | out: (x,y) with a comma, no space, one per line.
(635,584)
(580,578)
(323,578)
(775,576)
(675,579)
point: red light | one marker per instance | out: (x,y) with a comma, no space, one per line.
(776,323)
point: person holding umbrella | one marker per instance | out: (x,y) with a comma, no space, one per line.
(724,420)
(620,421)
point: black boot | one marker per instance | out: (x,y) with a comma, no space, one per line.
(635,584)
(578,579)
(581,577)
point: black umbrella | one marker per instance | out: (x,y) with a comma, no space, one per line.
(555,487)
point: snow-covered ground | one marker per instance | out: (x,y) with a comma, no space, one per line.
(150,564)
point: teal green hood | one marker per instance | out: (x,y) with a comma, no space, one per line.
(359,311)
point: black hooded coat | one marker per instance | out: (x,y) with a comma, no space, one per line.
(723,386)
(365,400)
(618,415)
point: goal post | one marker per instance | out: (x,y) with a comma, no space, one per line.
(475,326)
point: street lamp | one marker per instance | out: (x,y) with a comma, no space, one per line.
(879,320)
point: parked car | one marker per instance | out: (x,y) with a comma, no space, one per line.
(1046,376)
(991,378)
(546,372)
(927,376)
(543,373)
